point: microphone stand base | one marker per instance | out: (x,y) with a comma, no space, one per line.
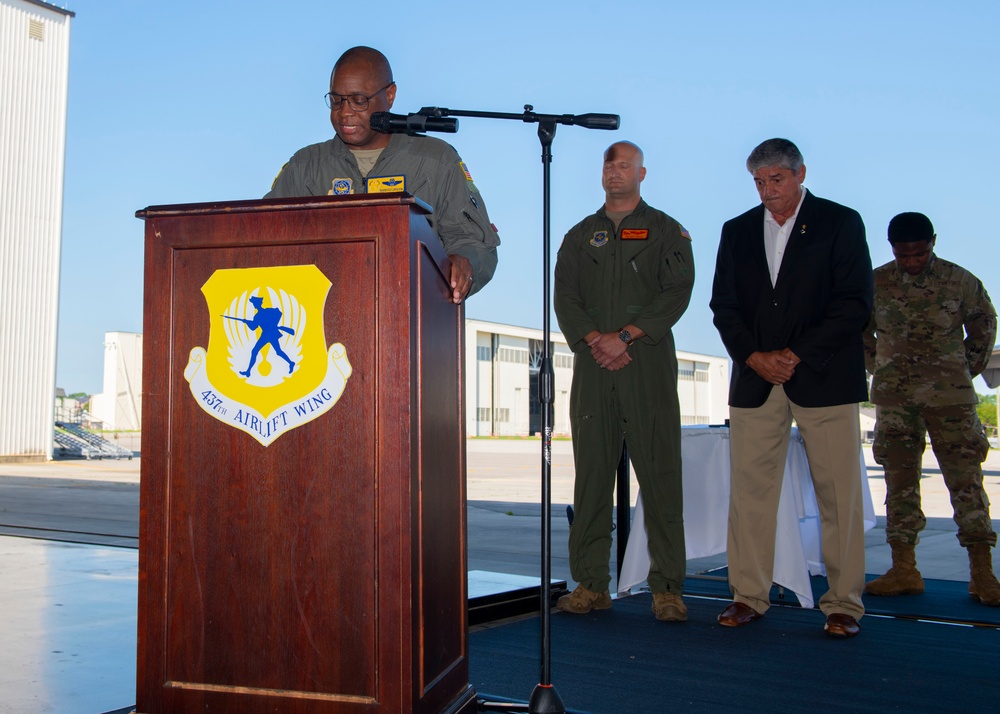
(544,700)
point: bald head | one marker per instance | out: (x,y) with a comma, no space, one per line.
(624,149)
(623,172)
(369,60)
(363,75)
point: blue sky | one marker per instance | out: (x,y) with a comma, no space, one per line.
(894,105)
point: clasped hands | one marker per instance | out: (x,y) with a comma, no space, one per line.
(775,367)
(608,350)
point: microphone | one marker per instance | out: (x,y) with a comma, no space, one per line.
(387,123)
(595,121)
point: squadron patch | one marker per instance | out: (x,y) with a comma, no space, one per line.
(635,234)
(386,184)
(600,238)
(278,176)
(341,187)
(684,232)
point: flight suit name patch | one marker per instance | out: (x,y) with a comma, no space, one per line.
(635,234)
(387,184)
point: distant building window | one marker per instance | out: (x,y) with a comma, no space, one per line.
(36,30)
(512,355)
(685,374)
(687,420)
(485,414)
(483,354)
(562,360)
(701,375)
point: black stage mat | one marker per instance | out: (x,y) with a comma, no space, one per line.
(622,660)
(942,600)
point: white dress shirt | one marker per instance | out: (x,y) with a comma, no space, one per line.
(776,238)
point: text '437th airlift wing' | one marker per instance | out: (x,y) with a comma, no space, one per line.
(267,368)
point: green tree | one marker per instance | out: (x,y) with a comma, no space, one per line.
(987,409)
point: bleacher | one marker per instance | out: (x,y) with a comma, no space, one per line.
(73,441)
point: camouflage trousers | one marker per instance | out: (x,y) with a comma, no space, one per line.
(960,445)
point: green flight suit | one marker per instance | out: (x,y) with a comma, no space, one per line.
(433,172)
(604,282)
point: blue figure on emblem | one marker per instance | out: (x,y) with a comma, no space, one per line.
(267,321)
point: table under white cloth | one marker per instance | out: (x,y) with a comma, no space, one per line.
(705,457)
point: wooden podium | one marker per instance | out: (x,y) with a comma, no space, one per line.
(301,552)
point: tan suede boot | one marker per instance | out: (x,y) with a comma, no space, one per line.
(983,585)
(581,601)
(903,578)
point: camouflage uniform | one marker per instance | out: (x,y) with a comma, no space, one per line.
(928,337)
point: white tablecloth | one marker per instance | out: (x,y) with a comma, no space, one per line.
(705,456)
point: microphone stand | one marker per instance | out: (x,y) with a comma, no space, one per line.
(544,698)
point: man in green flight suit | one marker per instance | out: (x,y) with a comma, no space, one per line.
(623,278)
(931,332)
(362,160)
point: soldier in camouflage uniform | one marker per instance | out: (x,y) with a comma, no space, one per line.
(931,332)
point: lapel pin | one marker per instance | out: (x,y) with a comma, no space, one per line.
(803,229)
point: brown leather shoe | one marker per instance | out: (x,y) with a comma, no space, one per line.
(841,626)
(737,615)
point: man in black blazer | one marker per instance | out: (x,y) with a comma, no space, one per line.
(791,295)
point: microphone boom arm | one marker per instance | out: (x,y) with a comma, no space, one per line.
(529,116)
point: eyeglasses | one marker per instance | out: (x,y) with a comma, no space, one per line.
(357,102)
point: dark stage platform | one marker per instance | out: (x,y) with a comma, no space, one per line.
(622,660)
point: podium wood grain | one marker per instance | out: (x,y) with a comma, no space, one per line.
(325,572)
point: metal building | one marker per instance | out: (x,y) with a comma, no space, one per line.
(119,406)
(501,382)
(34,79)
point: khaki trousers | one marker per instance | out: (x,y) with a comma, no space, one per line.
(759,445)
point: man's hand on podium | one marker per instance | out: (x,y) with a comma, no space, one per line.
(461,277)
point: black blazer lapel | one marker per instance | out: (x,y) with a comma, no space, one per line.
(755,253)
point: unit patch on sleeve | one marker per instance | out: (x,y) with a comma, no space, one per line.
(635,234)
(274,183)
(684,232)
(387,184)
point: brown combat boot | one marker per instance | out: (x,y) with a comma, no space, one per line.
(983,585)
(903,578)
(581,601)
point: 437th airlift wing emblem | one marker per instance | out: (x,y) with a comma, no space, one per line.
(267,369)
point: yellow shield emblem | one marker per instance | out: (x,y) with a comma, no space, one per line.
(267,368)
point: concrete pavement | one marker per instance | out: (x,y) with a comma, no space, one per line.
(504,493)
